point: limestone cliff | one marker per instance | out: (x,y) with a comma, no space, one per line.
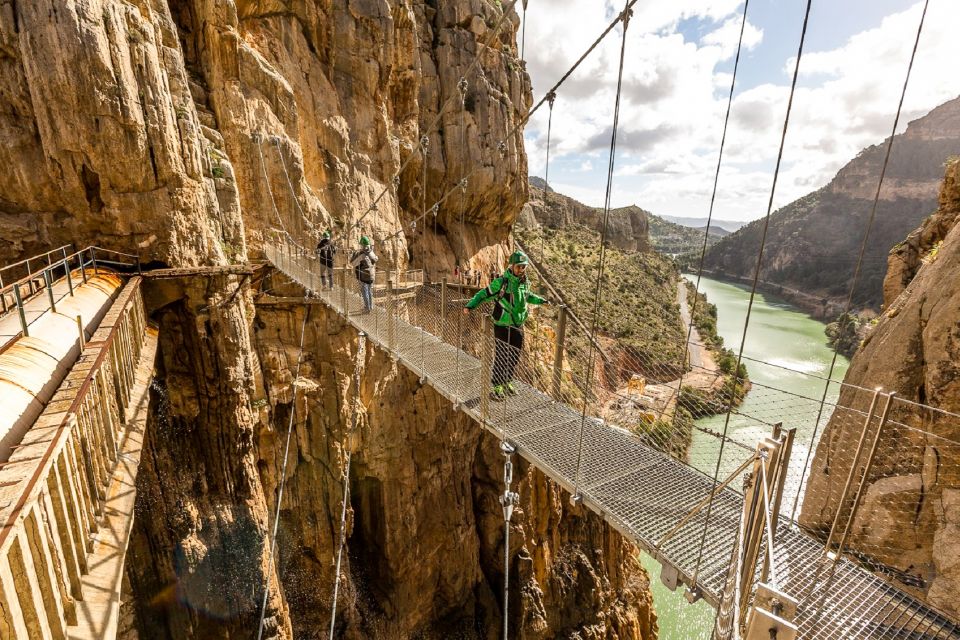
(628,227)
(185,130)
(912,498)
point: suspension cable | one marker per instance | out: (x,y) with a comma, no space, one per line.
(283,472)
(361,350)
(713,199)
(546,180)
(753,290)
(436,120)
(544,100)
(863,249)
(258,138)
(508,501)
(293,193)
(598,290)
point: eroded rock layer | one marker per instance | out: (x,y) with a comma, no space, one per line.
(909,522)
(188,131)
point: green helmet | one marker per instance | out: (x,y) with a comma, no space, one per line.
(365,241)
(326,234)
(519,257)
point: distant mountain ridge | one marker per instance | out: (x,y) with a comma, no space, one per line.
(813,243)
(631,228)
(699,223)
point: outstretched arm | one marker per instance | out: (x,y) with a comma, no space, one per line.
(486,293)
(533,298)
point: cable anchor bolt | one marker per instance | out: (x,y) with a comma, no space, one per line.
(551,98)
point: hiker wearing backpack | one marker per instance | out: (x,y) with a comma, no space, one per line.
(326,250)
(364,262)
(511,296)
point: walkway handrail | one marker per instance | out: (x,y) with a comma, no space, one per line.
(62,470)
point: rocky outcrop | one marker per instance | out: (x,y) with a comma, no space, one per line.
(908,520)
(628,227)
(813,243)
(425,527)
(187,131)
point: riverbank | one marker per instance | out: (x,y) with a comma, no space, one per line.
(816,306)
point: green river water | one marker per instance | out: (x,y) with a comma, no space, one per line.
(795,347)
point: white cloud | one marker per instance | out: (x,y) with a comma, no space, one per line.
(675,94)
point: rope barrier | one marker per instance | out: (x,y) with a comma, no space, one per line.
(756,278)
(546,179)
(597,305)
(863,246)
(283,473)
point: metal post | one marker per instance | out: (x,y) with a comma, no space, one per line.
(30,284)
(83,336)
(343,292)
(3,296)
(486,367)
(139,268)
(66,268)
(853,468)
(866,472)
(93,259)
(443,308)
(48,281)
(19,302)
(391,318)
(558,350)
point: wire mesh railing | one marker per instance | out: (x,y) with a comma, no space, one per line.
(647,467)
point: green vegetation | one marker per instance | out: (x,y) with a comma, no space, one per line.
(639,306)
(675,239)
(846,332)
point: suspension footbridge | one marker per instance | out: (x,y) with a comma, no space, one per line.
(653,498)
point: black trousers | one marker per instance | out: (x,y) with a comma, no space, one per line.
(508,342)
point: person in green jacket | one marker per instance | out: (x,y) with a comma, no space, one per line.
(511,296)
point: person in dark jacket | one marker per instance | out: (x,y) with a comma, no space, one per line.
(364,263)
(510,310)
(326,250)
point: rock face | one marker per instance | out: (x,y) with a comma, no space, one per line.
(188,131)
(628,227)
(908,520)
(813,243)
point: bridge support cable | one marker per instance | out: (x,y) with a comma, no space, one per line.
(475,64)
(598,290)
(863,249)
(508,501)
(621,17)
(361,351)
(283,473)
(551,97)
(831,558)
(713,199)
(753,290)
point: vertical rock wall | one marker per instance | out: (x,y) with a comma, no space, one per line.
(910,517)
(188,130)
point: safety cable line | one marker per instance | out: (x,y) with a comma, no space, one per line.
(525,119)
(598,290)
(753,290)
(283,473)
(266,180)
(713,199)
(546,180)
(361,344)
(436,120)
(863,249)
(293,193)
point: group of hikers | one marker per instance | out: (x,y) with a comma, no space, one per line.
(510,293)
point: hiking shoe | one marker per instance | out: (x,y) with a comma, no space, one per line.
(497,393)
(512,388)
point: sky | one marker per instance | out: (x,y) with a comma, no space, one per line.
(677,75)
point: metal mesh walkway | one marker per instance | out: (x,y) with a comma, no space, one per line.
(641,490)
